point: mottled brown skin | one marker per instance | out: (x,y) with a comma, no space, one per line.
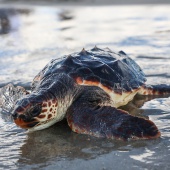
(87,88)
(86,117)
(156,90)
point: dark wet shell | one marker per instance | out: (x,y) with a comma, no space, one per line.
(116,71)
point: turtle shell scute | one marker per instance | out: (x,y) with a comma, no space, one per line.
(114,70)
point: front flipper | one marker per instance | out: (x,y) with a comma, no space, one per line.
(109,122)
(159,89)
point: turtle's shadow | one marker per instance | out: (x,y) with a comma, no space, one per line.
(59,142)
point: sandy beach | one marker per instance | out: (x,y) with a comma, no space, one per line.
(33,32)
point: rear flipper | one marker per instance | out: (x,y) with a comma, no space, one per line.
(109,122)
(159,89)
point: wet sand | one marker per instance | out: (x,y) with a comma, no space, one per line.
(35,35)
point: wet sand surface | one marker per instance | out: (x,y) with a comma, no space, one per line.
(30,36)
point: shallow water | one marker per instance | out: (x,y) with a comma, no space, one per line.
(31,36)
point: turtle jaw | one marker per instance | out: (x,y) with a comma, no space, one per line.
(25,125)
(42,125)
(34,123)
(24,121)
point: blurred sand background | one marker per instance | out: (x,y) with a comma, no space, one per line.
(86,2)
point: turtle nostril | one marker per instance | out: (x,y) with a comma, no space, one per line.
(22,116)
(15,115)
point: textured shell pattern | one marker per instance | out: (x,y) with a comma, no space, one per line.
(116,71)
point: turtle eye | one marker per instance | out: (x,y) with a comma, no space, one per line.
(36,110)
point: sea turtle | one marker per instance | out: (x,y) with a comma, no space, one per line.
(87,87)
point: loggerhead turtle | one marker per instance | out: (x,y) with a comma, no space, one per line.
(87,88)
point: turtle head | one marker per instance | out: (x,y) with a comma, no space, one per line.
(35,112)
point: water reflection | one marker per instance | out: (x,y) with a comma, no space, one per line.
(9,19)
(29,40)
(131,41)
(4,21)
(134,107)
(65,15)
(59,142)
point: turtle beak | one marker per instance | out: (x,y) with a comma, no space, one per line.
(23,121)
